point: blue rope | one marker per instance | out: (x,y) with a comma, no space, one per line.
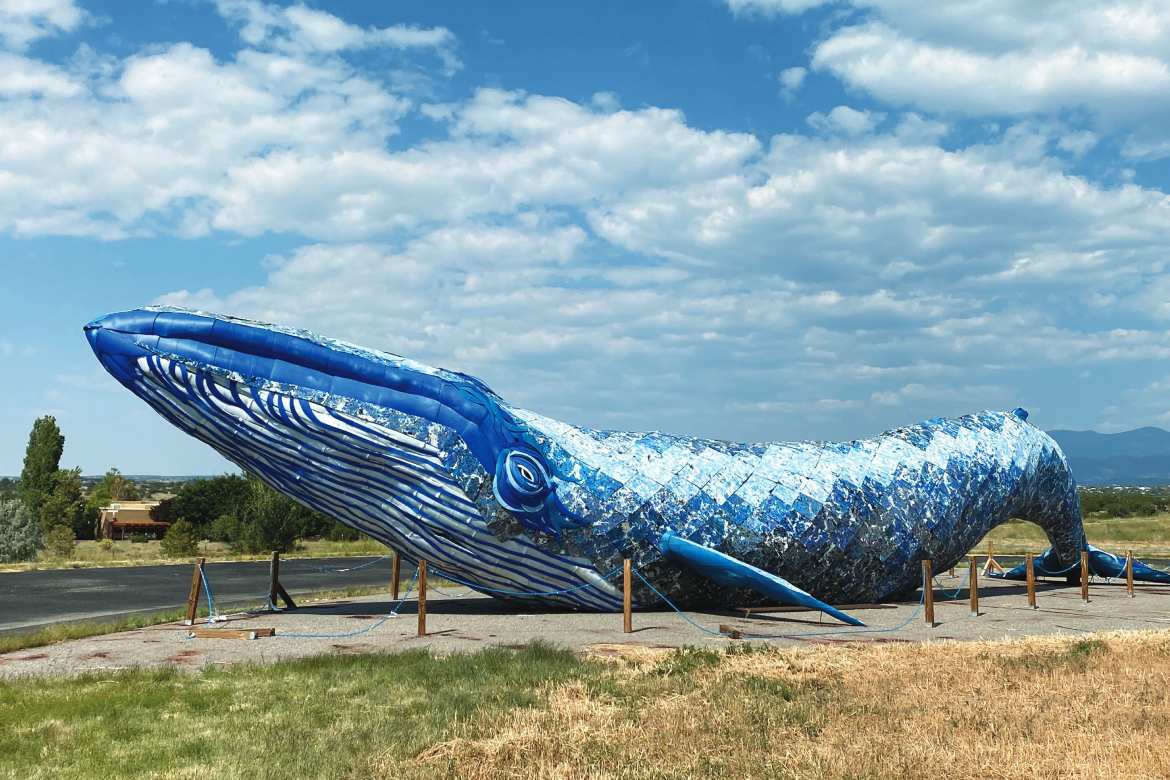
(447,576)
(367,564)
(358,631)
(951,597)
(843,630)
(210,599)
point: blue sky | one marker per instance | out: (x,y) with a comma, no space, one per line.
(754,219)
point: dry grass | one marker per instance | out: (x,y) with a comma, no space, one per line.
(1044,707)
(88,554)
(1146,536)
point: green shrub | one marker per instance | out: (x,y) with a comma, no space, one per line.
(225,528)
(60,540)
(268,520)
(342,533)
(106,546)
(181,540)
(139,538)
(20,533)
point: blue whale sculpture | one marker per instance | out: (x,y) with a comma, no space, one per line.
(435,465)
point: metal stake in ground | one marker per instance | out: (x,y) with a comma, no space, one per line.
(422,598)
(974,587)
(193,594)
(928,593)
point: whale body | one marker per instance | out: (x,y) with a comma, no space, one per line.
(435,465)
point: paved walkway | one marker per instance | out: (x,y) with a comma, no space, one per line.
(458,621)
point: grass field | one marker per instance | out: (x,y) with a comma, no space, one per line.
(1146,536)
(88,554)
(1096,706)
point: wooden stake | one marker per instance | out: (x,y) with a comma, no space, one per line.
(928,592)
(193,594)
(974,588)
(992,564)
(1129,572)
(627,598)
(422,598)
(1031,577)
(275,589)
(1085,576)
(273,579)
(395,572)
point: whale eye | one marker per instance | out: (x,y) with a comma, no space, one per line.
(521,482)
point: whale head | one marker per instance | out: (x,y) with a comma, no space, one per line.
(380,442)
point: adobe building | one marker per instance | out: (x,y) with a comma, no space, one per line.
(121,519)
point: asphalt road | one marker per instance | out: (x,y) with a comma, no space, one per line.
(35,598)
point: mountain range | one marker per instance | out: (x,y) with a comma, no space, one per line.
(1137,457)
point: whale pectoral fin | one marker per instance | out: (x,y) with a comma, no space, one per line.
(733,572)
(1101,564)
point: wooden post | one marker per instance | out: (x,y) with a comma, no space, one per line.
(193,594)
(627,598)
(974,588)
(395,571)
(928,592)
(273,579)
(1031,577)
(1129,572)
(422,598)
(275,589)
(1085,576)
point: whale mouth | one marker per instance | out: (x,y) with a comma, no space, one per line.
(278,355)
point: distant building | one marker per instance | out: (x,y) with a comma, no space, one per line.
(121,519)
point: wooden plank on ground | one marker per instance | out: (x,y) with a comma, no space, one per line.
(231,633)
(730,631)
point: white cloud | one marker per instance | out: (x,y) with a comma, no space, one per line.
(790,80)
(25,21)
(298,28)
(902,70)
(844,119)
(773,7)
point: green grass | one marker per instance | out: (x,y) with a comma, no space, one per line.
(866,710)
(325,717)
(88,554)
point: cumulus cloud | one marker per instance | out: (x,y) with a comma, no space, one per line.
(610,265)
(790,80)
(25,21)
(844,119)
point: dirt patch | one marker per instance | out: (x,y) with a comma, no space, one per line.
(352,649)
(183,656)
(95,656)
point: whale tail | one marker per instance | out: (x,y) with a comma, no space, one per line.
(1101,564)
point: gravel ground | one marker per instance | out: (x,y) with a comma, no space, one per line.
(458,620)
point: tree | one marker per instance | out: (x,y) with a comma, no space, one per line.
(65,505)
(202,500)
(59,541)
(268,520)
(181,540)
(42,458)
(20,534)
(225,528)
